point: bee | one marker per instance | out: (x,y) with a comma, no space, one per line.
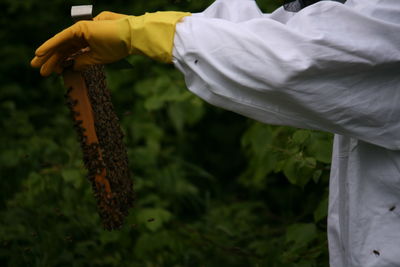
(376,252)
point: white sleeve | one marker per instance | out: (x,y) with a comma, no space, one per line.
(332,67)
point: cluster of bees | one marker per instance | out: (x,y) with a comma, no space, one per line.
(105,160)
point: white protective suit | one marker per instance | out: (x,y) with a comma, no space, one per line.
(332,67)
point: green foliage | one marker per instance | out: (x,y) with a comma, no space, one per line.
(213,188)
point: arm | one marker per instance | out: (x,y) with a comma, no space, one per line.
(330,67)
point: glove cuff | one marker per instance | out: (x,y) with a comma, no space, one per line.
(152,34)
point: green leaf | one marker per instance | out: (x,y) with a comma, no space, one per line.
(257,142)
(300,235)
(177,116)
(9,158)
(320,149)
(322,210)
(317,174)
(299,171)
(300,136)
(257,139)
(73,176)
(153,218)
(154,103)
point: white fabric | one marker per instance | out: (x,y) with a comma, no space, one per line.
(332,67)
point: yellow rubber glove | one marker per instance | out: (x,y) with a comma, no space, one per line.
(110,40)
(108,15)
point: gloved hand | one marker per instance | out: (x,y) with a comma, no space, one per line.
(109,38)
(108,15)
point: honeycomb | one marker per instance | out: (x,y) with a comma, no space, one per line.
(101,139)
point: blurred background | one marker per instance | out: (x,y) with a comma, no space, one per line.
(213,188)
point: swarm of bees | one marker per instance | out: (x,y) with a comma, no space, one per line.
(101,140)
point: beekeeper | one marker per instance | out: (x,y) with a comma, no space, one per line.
(330,66)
